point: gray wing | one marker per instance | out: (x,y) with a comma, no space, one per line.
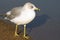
(14,13)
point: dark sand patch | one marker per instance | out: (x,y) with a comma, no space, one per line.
(7,31)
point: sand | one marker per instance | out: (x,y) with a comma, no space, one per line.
(7,30)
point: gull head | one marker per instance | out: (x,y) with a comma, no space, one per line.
(30,6)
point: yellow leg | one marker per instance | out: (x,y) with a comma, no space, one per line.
(16,31)
(25,32)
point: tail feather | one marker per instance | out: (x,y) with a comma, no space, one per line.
(3,16)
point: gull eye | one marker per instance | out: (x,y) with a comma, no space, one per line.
(31,6)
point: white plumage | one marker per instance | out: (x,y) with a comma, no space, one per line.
(24,18)
(25,14)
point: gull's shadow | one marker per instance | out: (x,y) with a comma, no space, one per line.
(38,21)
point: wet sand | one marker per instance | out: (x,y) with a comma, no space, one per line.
(7,30)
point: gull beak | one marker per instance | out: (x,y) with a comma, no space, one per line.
(37,9)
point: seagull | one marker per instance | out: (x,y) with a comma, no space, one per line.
(22,15)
